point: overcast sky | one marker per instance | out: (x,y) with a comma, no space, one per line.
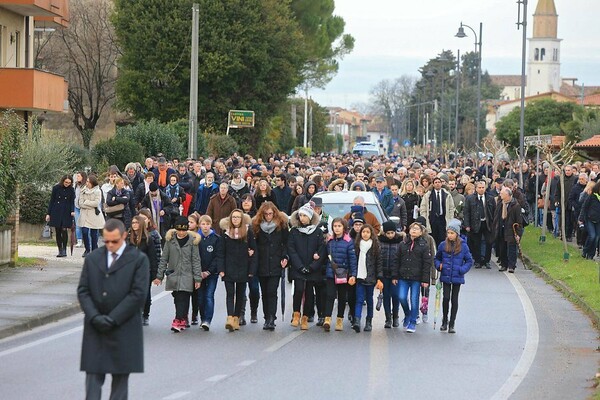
(396,37)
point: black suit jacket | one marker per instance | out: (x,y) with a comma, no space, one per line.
(472,214)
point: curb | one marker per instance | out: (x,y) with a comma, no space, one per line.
(565,290)
(40,320)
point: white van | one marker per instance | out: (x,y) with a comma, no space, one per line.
(366,149)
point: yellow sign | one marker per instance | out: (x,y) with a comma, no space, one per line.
(241,119)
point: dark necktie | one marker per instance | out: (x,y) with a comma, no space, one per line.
(115,256)
(482,208)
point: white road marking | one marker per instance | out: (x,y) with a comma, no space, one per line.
(246,363)
(283,341)
(531,344)
(59,335)
(216,378)
(177,395)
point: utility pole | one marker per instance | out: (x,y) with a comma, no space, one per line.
(305,141)
(522,22)
(294,127)
(193,123)
(457,105)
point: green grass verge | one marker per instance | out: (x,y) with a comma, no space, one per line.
(580,275)
(30,262)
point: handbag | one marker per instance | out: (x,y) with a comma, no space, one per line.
(340,276)
(46,232)
(113,210)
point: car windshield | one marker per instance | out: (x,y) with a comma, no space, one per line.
(366,153)
(341,209)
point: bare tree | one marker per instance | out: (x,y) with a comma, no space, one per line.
(86,54)
(389,100)
(558,161)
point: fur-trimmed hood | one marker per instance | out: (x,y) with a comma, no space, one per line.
(195,236)
(295,220)
(336,182)
(224,223)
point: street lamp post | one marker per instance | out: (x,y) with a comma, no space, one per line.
(457,103)
(522,22)
(461,34)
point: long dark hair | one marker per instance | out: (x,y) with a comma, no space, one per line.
(374,246)
(136,238)
(453,246)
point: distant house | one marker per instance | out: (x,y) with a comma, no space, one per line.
(22,87)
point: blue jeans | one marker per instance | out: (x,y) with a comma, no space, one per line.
(91,238)
(391,297)
(591,244)
(363,291)
(413,311)
(206,298)
(78,234)
(557,222)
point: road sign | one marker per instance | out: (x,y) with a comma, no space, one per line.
(537,140)
(241,119)
(406,143)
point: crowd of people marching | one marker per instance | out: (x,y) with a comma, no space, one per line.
(248,220)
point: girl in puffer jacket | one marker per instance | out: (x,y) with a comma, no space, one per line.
(342,257)
(389,243)
(368,273)
(453,260)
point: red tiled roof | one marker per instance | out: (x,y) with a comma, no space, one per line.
(594,141)
(592,100)
(558,141)
(575,90)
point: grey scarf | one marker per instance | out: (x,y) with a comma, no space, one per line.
(308,229)
(237,186)
(268,227)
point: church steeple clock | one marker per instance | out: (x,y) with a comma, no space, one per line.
(544,51)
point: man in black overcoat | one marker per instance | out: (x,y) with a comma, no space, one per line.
(112,291)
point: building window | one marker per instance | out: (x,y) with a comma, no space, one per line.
(555,55)
(537,54)
(542,54)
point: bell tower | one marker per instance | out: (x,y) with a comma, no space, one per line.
(543,73)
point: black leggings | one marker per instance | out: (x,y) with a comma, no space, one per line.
(62,237)
(195,304)
(268,288)
(306,289)
(236,293)
(451,290)
(341,291)
(182,303)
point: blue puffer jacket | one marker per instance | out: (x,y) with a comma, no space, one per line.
(343,254)
(453,267)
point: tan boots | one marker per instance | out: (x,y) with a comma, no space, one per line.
(296,319)
(304,323)
(233,323)
(327,324)
(339,324)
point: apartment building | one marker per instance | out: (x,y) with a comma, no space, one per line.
(22,87)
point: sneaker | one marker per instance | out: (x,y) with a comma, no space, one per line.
(205,325)
(194,321)
(183,324)
(477,266)
(488,266)
(425,318)
(85,253)
(79,243)
(511,270)
(175,326)
(418,320)
(405,323)
(411,328)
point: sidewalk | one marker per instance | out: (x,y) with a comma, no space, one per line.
(34,296)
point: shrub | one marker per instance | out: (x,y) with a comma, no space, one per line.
(155,137)
(34,204)
(118,151)
(11,133)
(45,160)
(220,145)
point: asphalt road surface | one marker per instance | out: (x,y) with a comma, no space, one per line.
(516,338)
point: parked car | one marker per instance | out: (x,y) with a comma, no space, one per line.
(337,204)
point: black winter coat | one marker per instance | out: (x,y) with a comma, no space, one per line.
(414,260)
(62,204)
(119,293)
(388,248)
(590,211)
(112,199)
(505,227)
(301,248)
(411,200)
(272,249)
(147,247)
(238,265)
(472,215)
(374,266)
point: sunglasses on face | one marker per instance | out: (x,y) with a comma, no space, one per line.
(112,241)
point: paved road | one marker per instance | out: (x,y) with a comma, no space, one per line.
(516,338)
